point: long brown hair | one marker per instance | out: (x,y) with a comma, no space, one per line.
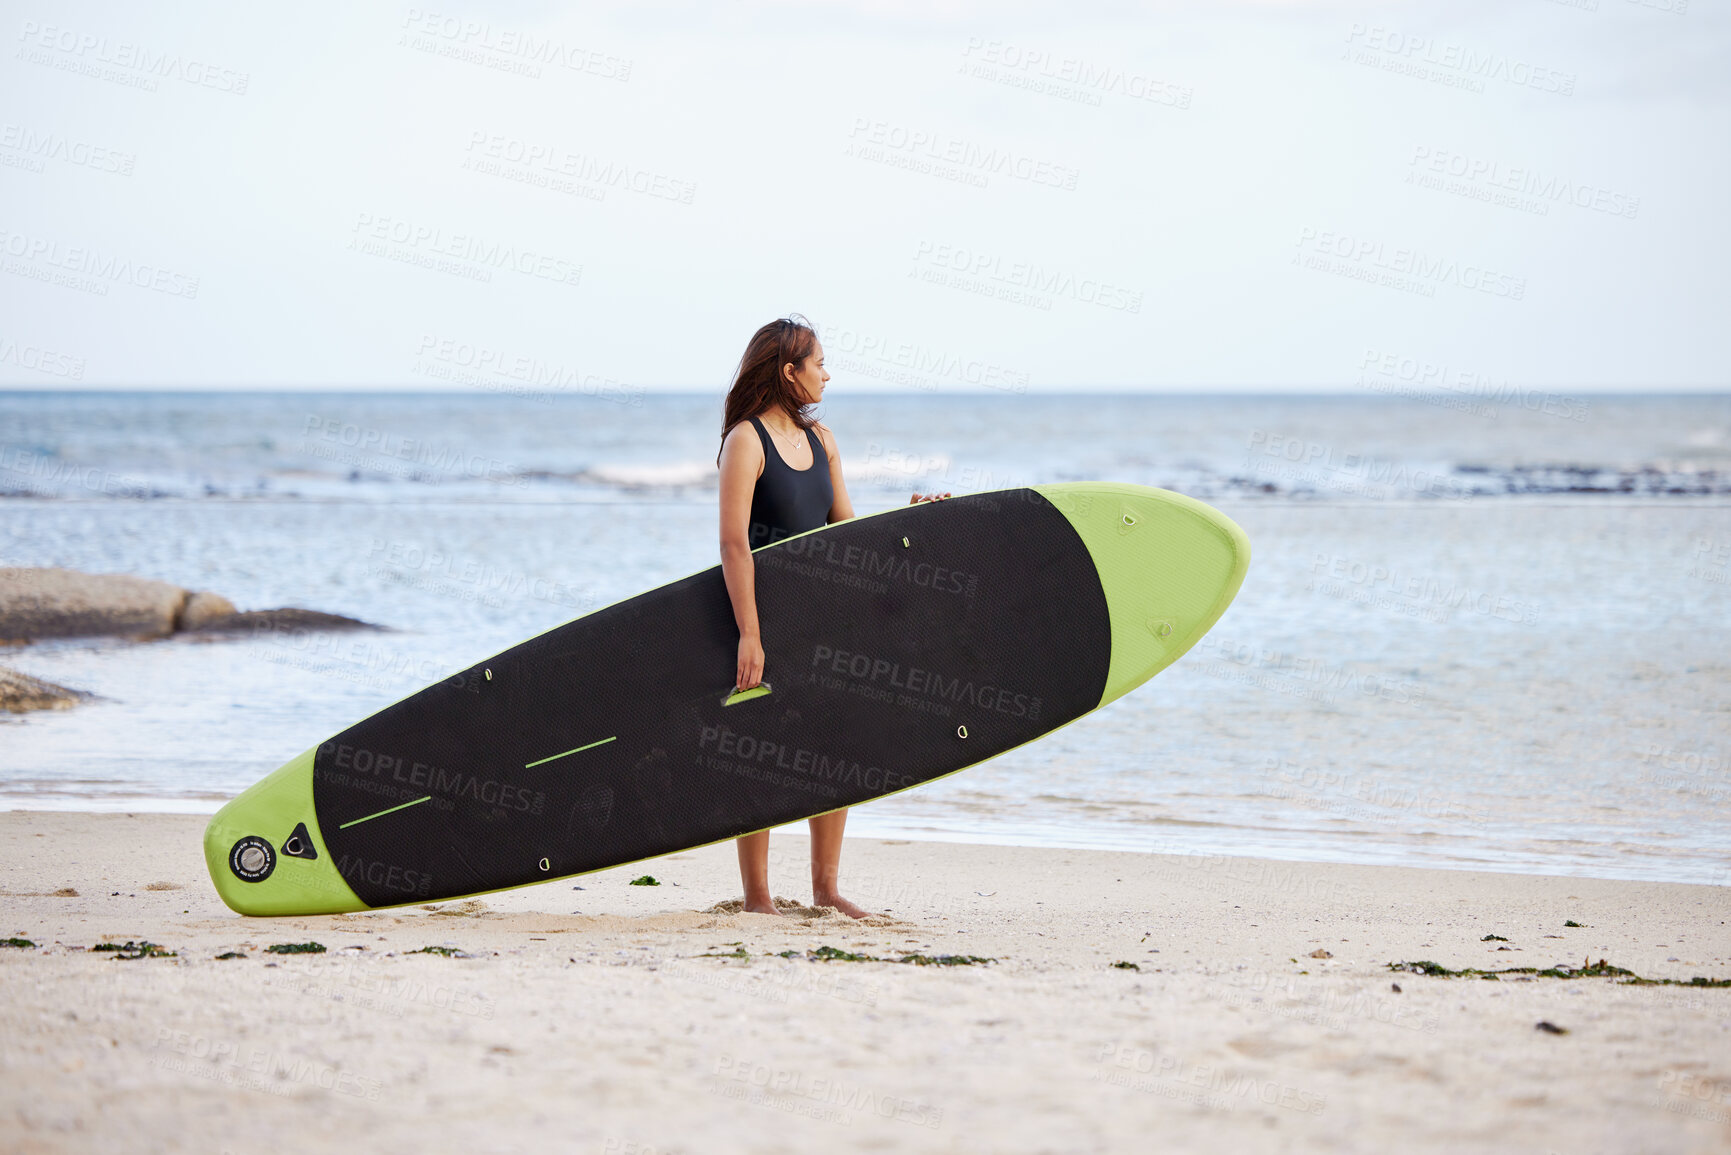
(758,383)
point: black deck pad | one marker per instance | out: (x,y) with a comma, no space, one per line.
(605,741)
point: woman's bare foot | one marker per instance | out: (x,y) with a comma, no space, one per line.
(839,903)
(761,904)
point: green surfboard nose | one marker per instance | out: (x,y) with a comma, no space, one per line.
(266,855)
(1169,565)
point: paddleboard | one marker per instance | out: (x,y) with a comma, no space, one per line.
(901,647)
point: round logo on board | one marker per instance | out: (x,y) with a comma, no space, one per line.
(252,859)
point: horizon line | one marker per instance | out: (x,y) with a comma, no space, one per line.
(1367,392)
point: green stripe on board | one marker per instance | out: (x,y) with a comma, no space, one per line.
(579,750)
(382,813)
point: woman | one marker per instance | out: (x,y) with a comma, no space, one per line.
(780,475)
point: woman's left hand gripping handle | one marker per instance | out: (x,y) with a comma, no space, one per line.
(750,662)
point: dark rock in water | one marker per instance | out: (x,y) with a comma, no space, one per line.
(201,609)
(287,619)
(64,603)
(20,693)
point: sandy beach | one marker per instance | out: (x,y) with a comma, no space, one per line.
(1134,1002)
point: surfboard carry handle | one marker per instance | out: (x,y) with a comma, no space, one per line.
(736,695)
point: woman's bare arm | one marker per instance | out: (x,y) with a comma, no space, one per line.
(741,463)
(842,508)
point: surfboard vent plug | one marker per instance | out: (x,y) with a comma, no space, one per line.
(252,859)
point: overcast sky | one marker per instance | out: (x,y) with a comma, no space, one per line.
(1182,196)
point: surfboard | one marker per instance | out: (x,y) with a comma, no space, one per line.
(900,647)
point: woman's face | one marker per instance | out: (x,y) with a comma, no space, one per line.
(809,378)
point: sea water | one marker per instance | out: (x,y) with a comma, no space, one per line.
(1482,629)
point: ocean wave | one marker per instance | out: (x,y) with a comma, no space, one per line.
(1357,479)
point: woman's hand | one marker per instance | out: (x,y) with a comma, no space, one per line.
(919,497)
(750,662)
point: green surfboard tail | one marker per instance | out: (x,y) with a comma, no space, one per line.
(1169,564)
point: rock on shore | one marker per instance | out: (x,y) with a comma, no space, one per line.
(20,692)
(63,603)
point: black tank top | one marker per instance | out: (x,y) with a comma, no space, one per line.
(786,500)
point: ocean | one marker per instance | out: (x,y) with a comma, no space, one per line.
(1482,628)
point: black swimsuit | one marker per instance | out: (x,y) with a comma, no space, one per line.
(786,500)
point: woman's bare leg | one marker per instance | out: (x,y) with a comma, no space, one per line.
(826,832)
(754,873)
